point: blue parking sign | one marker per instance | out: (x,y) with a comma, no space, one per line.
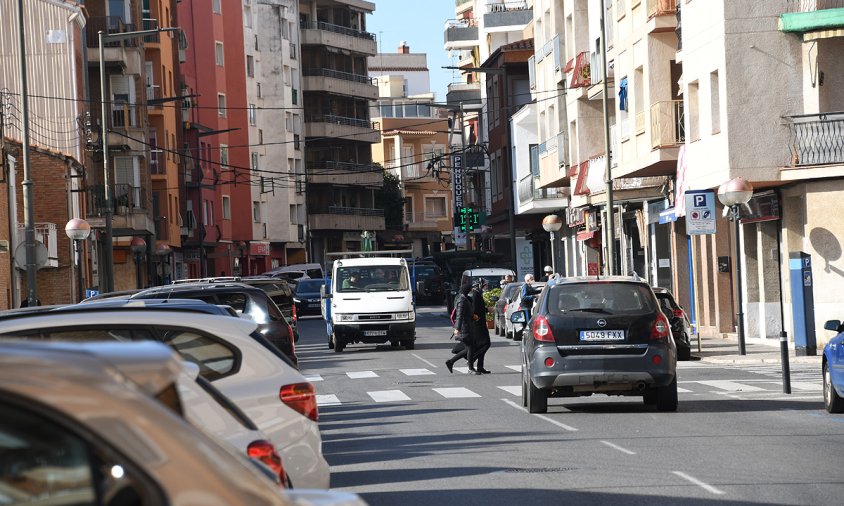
(700,212)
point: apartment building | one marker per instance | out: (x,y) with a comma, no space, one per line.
(276,127)
(339,134)
(218,187)
(413,147)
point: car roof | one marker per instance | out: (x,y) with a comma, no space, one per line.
(361,262)
(488,271)
(180,305)
(205,287)
(601,279)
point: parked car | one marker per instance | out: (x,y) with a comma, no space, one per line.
(54,448)
(230,353)
(511,330)
(281,292)
(294,272)
(832,368)
(590,335)
(430,283)
(491,275)
(249,302)
(307,296)
(507,293)
(681,327)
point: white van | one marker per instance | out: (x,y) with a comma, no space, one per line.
(369,299)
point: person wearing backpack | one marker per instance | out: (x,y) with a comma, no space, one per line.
(464,325)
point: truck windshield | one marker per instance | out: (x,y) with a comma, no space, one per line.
(372,278)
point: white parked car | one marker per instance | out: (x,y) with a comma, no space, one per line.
(230,354)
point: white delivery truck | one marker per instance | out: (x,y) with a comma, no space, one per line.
(369,298)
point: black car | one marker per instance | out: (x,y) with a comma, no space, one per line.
(247,301)
(681,327)
(281,292)
(590,335)
(430,283)
(307,296)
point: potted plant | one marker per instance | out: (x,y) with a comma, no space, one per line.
(490,298)
(121,203)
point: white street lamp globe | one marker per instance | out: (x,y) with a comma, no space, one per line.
(552,223)
(77,229)
(736,191)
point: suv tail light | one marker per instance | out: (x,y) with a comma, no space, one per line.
(300,397)
(264,451)
(505,307)
(542,331)
(679,313)
(292,339)
(295,316)
(661,329)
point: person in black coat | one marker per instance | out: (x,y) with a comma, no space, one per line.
(464,326)
(482,341)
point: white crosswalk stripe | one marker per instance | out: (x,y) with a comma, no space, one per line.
(314,377)
(361,374)
(456,393)
(517,368)
(730,386)
(388,396)
(464,370)
(327,400)
(515,390)
(416,372)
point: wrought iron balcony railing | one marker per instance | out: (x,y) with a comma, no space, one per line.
(667,124)
(343,30)
(337,74)
(354,211)
(817,139)
(108,25)
(125,198)
(812,5)
(341,120)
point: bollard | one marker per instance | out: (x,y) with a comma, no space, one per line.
(786,373)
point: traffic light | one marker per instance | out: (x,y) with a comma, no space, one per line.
(468,219)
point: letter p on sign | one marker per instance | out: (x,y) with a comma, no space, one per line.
(700,200)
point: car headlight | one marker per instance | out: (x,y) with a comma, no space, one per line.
(404,316)
(346,317)
(297,301)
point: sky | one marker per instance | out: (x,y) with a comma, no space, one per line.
(420,23)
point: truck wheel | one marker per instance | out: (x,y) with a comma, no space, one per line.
(331,342)
(338,345)
(409,345)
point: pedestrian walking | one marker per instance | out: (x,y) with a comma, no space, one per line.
(548,272)
(464,326)
(482,341)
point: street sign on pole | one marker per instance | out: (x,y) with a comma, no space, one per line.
(700,212)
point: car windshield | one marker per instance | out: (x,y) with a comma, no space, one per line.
(372,278)
(605,298)
(426,272)
(492,280)
(309,285)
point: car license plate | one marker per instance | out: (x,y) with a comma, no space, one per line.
(375,332)
(602,335)
(313,304)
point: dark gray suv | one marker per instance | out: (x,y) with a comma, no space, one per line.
(589,335)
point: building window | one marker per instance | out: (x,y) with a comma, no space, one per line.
(715,91)
(253,114)
(224,156)
(288,121)
(435,207)
(408,209)
(221,105)
(247,16)
(250,65)
(259,90)
(254,162)
(219,57)
(256,211)
(205,213)
(227,207)
(216,7)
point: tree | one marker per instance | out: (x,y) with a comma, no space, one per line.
(390,199)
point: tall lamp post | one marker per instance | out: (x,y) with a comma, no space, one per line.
(78,230)
(733,194)
(108,254)
(552,224)
(163,250)
(138,247)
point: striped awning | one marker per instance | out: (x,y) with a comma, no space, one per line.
(823,34)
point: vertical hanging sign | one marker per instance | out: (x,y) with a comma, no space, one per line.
(457,178)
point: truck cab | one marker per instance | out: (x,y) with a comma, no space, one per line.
(369,299)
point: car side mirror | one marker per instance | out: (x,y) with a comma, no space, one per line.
(519,317)
(832,325)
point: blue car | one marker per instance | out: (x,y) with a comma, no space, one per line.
(833,369)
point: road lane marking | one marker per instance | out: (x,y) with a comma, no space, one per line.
(361,374)
(705,486)
(464,370)
(619,448)
(542,417)
(315,377)
(683,391)
(416,372)
(731,386)
(516,368)
(422,359)
(388,396)
(327,400)
(803,385)
(456,393)
(515,390)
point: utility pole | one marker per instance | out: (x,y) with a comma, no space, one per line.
(27,183)
(610,234)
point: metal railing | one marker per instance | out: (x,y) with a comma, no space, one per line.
(502,6)
(458,3)
(341,120)
(667,124)
(337,74)
(154,38)
(661,7)
(108,24)
(812,5)
(461,23)
(817,139)
(355,211)
(124,115)
(343,30)
(157,164)
(330,165)
(126,198)
(582,72)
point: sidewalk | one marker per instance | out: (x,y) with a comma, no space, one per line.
(725,351)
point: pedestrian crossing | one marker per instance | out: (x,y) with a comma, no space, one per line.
(420,391)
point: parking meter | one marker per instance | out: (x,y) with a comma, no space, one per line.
(802,303)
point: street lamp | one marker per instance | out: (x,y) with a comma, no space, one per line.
(138,247)
(162,251)
(552,224)
(108,261)
(733,194)
(78,230)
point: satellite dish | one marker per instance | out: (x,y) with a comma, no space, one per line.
(40,255)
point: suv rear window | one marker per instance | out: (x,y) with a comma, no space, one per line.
(608,298)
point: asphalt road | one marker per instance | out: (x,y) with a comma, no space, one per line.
(399,429)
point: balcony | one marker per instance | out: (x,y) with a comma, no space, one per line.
(157,163)
(661,8)
(534,199)
(154,96)
(347,218)
(155,38)
(329,125)
(461,6)
(817,139)
(461,33)
(45,233)
(463,92)
(580,69)
(331,172)
(340,83)
(130,207)
(341,37)
(507,16)
(126,54)
(667,124)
